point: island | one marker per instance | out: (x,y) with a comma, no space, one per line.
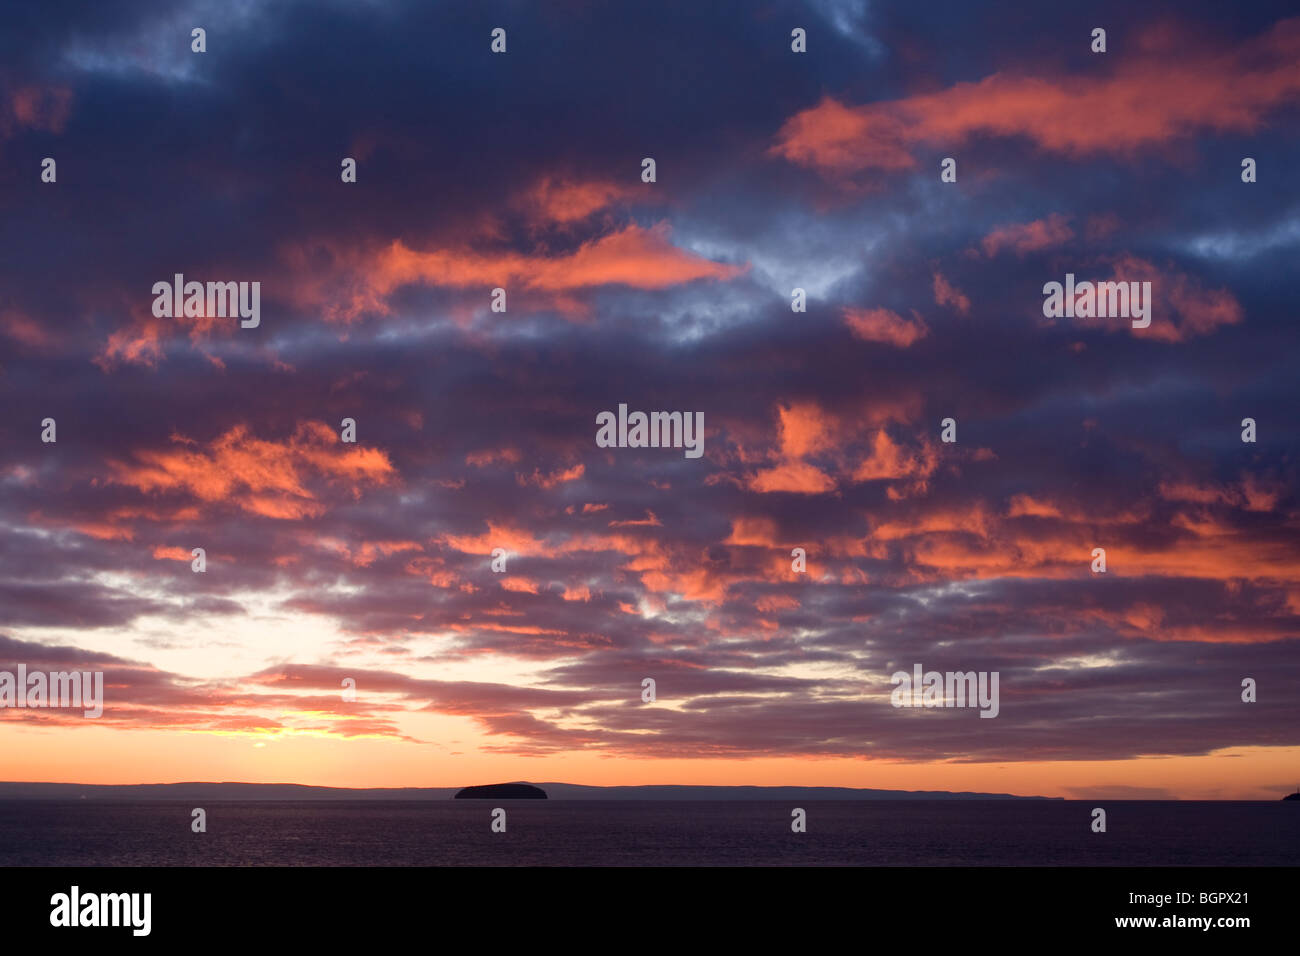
(502,791)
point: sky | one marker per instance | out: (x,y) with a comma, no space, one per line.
(476,429)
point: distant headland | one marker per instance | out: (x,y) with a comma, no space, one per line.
(502,791)
(543,791)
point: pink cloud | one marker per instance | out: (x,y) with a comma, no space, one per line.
(1026,237)
(885,326)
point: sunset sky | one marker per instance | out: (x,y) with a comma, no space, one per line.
(476,429)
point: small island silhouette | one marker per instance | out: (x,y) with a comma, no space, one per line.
(1293,796)
(502,791)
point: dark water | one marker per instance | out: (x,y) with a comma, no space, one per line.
(661,833)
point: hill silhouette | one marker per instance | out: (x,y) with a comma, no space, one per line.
(195,790)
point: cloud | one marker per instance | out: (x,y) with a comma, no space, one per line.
(44,108)
(560,200)
(260,476)
(945,293)
(792,476)
(1196,309)
(632,256)
(1161,95)
(1026,237)
(889,460)
(883,325)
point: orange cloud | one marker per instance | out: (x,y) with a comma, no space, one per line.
(806,429)
(1197,310)
(753,532)
(262,477)
(480,459)
(794,476)
(565,201)
(945,293)
(1166,93)
(139,343)
(521,585)
(512,539)
(171,554)
(26,330)
(889,460)
(633,256)
(369,551)
(1198,494)
(1025,237)
(776,602)
(432,569)
(882,325)
(1252,494)
(104,532)
(972,519)
(842,139)
(649,521)
(1024,506)
(117,523)
(552,479)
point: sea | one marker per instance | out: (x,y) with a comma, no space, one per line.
(587,833)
